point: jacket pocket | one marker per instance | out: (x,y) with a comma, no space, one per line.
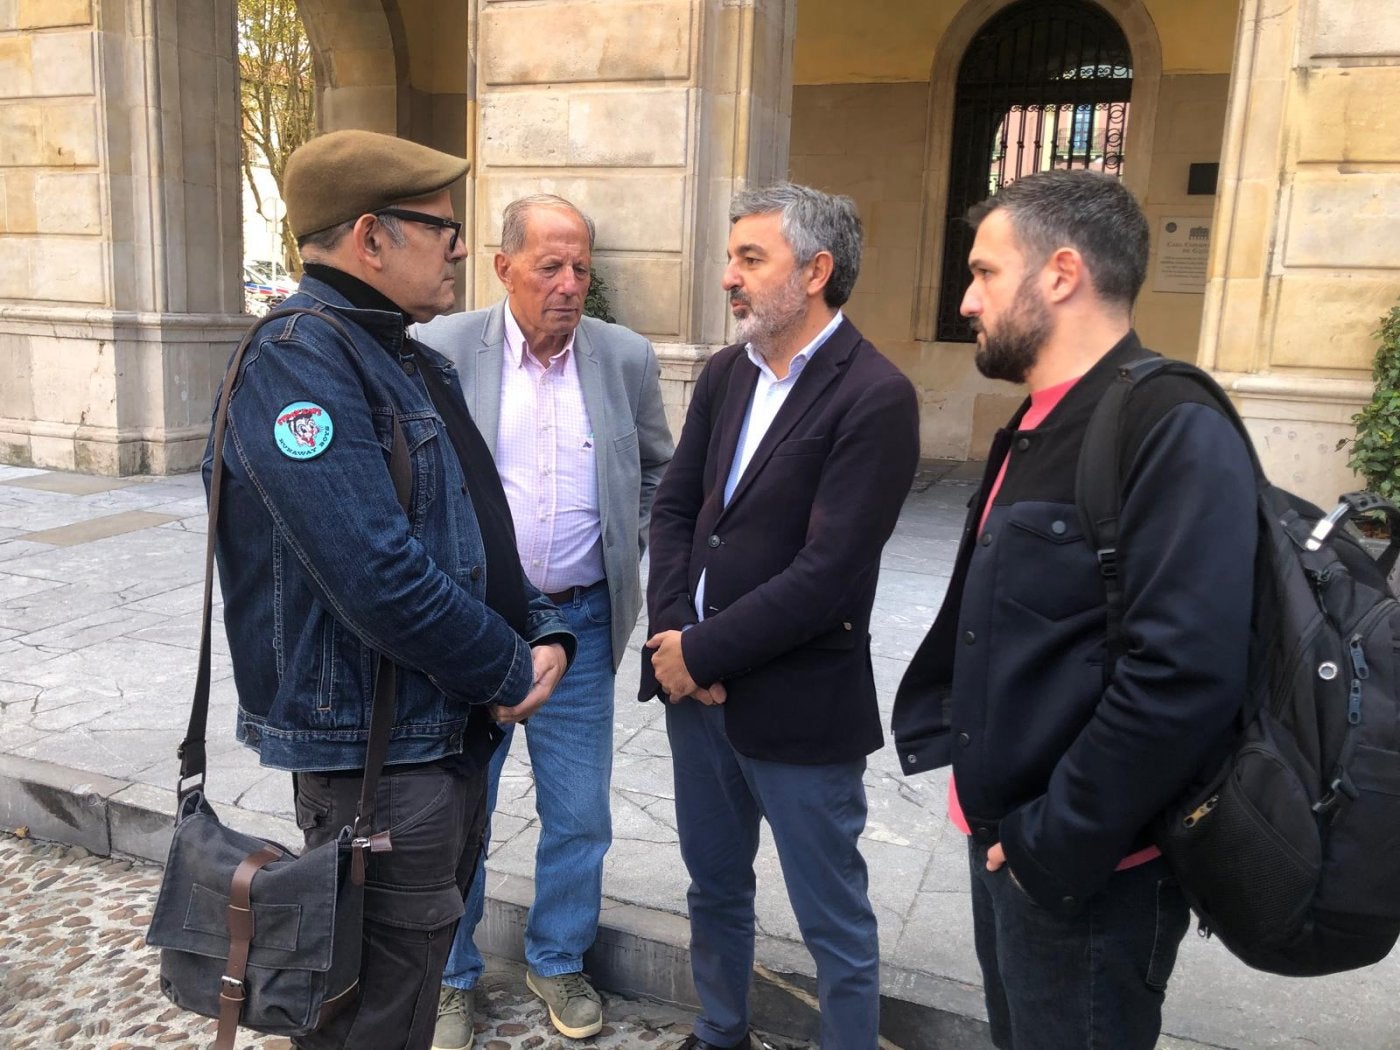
(801,447)
(1042,538)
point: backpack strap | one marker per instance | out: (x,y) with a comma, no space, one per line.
(1098,482)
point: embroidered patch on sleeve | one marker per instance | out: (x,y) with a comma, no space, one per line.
(303,430)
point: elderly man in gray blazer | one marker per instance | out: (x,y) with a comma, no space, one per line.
(571,408)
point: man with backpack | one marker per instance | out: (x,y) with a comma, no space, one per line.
(1064,751)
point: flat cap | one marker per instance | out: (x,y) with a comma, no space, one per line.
(342,175)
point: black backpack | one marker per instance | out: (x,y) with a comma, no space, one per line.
(1290,851)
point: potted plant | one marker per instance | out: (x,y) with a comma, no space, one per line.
(596,304)
(1375,453)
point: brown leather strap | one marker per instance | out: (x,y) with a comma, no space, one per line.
(240,939)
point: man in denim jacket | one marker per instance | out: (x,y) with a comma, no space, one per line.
(323,573)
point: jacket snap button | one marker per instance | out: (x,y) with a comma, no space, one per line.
(409,367)
(969,637)
(1023,444)
(1058,528)
(476,572)
(911,759)
(985,539)
(964,740)
(983,834)
(714,541)
(1068,902)
(846,626)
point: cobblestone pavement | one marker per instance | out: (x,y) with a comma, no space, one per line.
(75,972)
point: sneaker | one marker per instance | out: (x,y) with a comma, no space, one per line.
(456,1020)
(574,1007)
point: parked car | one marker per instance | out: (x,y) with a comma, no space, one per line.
(259,294)
(284,283)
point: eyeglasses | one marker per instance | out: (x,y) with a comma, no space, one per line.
(427,220)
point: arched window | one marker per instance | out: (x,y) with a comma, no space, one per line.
(1045,84)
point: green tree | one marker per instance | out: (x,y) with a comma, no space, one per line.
(1375,454)
(277,92)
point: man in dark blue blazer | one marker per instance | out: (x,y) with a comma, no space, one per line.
(797,452)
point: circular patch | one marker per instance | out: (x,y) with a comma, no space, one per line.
(303,430)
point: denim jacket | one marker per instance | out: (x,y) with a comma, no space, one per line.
(320,569)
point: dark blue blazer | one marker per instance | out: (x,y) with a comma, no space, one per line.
(791,561)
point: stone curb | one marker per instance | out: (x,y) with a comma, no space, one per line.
(639,951)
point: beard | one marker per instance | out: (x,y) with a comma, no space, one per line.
(772,316)
(1010,352)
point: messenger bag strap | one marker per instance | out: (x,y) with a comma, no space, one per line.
(192,749)
(240,939)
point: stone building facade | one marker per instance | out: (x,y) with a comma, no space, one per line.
(119,186)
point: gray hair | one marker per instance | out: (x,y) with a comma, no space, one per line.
(812,222)
(1093,213)
(516,216)
(328,240)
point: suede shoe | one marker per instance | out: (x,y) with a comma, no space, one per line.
(456,1019)
(574,1007)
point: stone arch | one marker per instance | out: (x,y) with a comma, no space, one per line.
(1146,46)
(360,62)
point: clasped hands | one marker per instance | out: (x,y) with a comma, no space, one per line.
(668,663)
(549,664)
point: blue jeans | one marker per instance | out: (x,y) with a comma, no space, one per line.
(1093,979)
(816,814)
(571,753)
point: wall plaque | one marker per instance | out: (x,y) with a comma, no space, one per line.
(1182,248)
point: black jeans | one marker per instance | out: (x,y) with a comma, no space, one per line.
(1090,981)
(413,895)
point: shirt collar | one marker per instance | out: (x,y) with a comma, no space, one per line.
(800,359)
(516,345)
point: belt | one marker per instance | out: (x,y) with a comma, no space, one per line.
(568,594)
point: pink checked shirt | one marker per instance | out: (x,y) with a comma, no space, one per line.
(547,462)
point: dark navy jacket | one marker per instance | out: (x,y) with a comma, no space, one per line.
(321,570)
(1064,770)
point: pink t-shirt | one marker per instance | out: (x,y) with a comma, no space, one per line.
(1043,403)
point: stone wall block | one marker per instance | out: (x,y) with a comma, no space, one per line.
(15,253)
(16,67)
(73,379)
(20,135)
(21,215)
(629,129)
(645,293)
(68,269)
(374,108)
(524,129)
(631,212)
(69,203)
(1345,223)
(69,134)
(64,62)
(1327,319)
(16,395)
(1352,29)
(42,14)
(572,42)
(1350,115)
(361,67)
(8,16)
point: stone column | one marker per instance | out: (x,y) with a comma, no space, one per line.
(648,114)
(119,232)
(1304,263)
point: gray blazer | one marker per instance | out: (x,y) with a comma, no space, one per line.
(620,377)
